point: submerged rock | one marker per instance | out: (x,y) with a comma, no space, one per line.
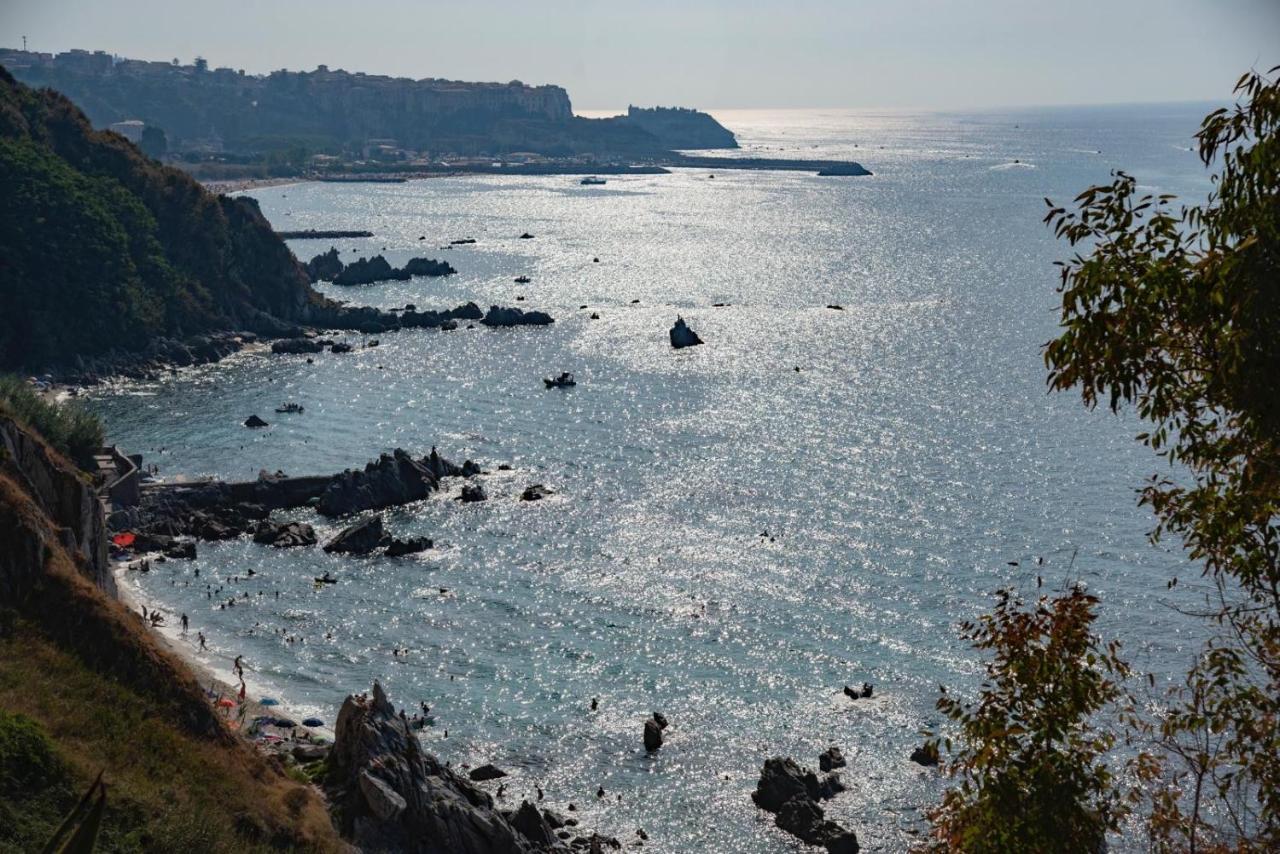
(254,421)
(535,492)
(361,538)
(683,336)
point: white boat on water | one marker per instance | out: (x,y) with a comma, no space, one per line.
(592,180)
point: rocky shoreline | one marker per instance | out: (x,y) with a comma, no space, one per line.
(164,355)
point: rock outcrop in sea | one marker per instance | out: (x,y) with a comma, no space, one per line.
(391,795)
(499,316)
(329,267)
(793,794)
(683,336)
(392,479)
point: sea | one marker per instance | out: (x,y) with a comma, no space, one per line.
(814,498)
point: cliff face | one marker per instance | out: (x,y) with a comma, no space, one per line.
(678,128)
(62,494)
(105,249)
(78,666)
(222,109)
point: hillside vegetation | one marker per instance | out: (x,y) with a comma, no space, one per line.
(102,248)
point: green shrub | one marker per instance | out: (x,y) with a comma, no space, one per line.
(68,426)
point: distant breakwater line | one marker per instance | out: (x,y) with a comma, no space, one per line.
(315,233)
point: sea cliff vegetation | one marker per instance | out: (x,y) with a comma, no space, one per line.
(104,248)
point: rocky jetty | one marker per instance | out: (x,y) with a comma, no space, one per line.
(360,538)
(793,794)
(391,795)
(499,316)
(392,479)
(214,510)
(683,336)
(366,271)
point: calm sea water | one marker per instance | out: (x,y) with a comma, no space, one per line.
(914,455)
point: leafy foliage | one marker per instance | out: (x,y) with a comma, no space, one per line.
(69,427)
(1177,313)
(102,248)
(1031,758)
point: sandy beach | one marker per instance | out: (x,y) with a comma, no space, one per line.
(213,668)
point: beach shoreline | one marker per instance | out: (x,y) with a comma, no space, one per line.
(214,670)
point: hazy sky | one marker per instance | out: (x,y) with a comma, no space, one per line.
(709,53)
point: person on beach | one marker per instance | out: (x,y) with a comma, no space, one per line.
(184,624)
(200,636)
(237,667)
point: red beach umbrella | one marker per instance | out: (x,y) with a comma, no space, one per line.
(124,540)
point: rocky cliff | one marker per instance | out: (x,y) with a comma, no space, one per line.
(224,110)
(82,672)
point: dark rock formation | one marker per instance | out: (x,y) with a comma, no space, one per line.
(254,421)
(296,345)
(499,316)
(391,795)
(378,269)
(534,825)
(360,538)
(340,347)
(325,267)
(831,759)
(792,793)
(472,492)
(683,336)
(400,548)
(486,772)
(535,492)
(393,479)
(926,755)
(652,735)
(284,535)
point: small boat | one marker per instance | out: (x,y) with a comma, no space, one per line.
(592,181)
(295,408)
(523,280)
(325,579)
(462,241)
(565,380)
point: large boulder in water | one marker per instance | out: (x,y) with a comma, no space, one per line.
(499,316)
(792,793)
(391,795)
(254,421)
(400,548)
(284,535)
(361,538)
(683,336)
(391,480)
(297,345)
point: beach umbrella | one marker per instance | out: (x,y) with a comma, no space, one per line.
(269,701)
(124,540)
(312,722)
(227,703)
